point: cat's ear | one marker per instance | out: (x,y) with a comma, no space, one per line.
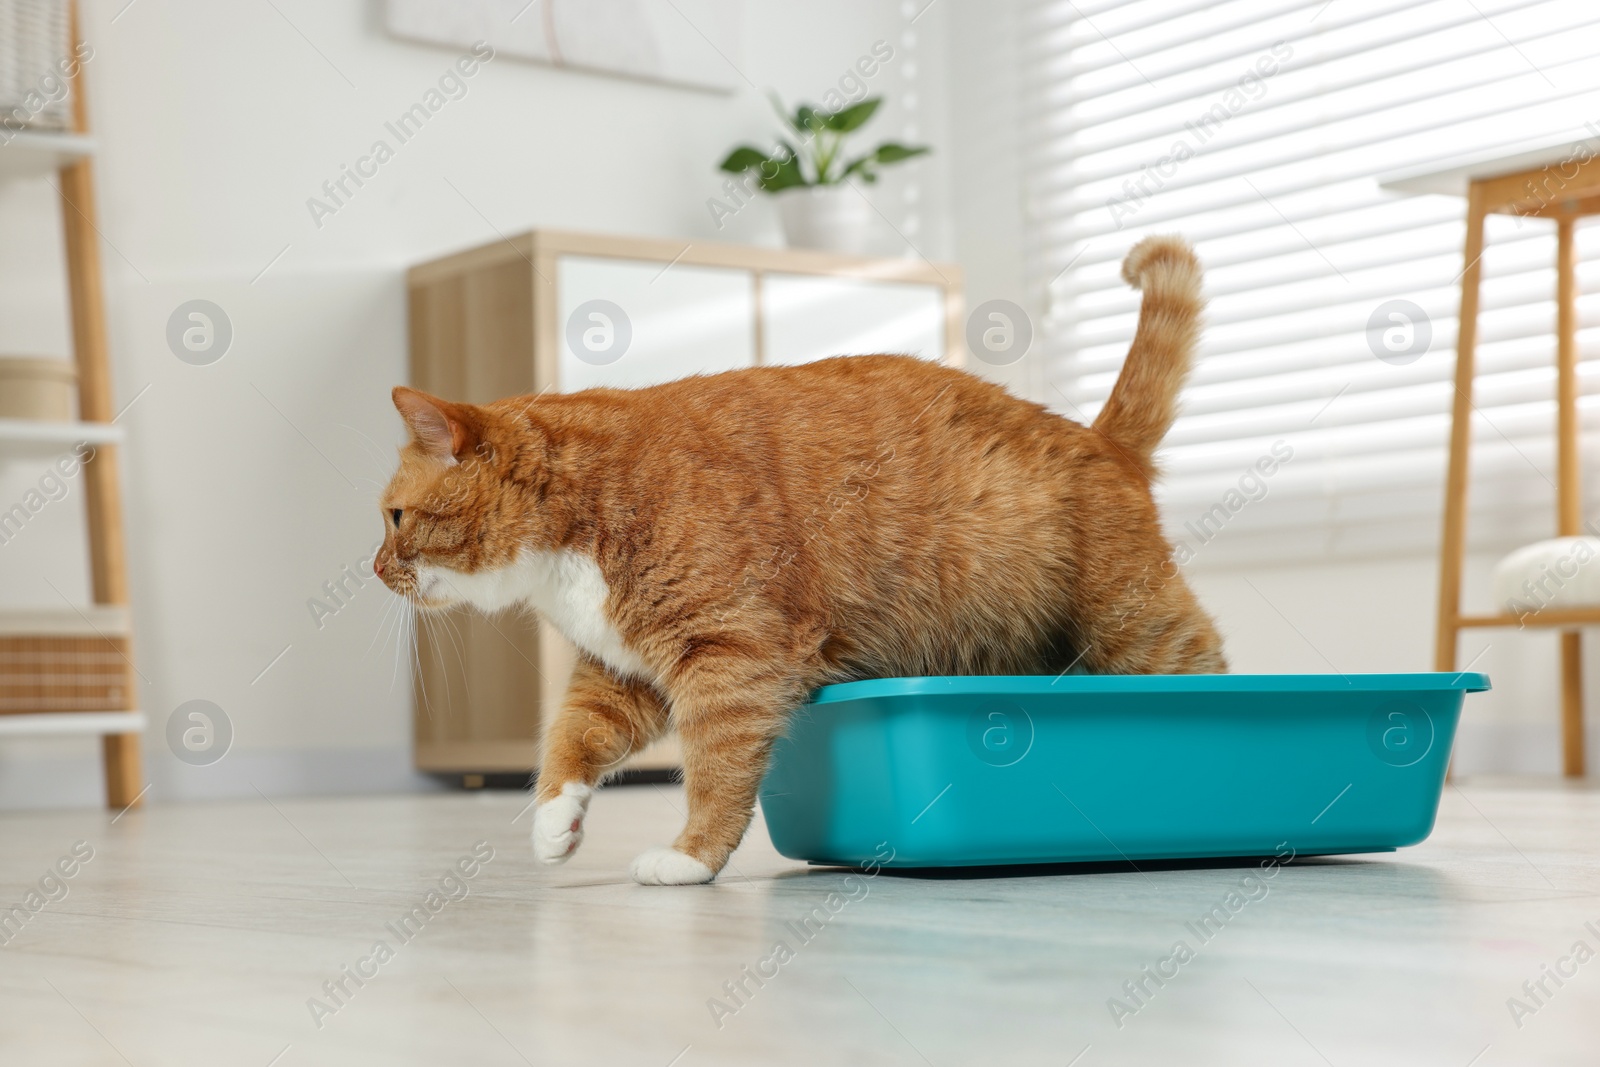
(443,430)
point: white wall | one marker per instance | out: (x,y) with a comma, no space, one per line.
(987,132)
(251,482)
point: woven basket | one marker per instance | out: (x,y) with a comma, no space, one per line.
(64,661)
(35,43)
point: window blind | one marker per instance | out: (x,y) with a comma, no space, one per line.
(1318,414)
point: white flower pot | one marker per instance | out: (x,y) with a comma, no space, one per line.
(829,218)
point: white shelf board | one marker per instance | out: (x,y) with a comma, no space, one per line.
(1452,178)
(56,723)
(45,437)
(31,153)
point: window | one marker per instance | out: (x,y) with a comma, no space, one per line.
(1261,130)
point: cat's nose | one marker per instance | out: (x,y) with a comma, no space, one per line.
(377,567)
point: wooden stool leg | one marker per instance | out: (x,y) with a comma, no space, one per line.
(1452,547)
(1569,484)
(1572,754)
(1453,544)
(124,787)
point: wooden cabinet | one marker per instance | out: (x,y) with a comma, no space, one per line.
(680,321)
(564,311)
(808,316)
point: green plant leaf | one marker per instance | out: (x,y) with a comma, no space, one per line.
(808,119)
(857,166)
(889,152)
(743,158)
(853,117)
(884,154)
(782,172)
(822,134)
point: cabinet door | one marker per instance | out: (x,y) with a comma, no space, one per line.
(807,317)
(625,323)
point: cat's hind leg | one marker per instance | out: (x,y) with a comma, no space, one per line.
(1155,626)
(603,719)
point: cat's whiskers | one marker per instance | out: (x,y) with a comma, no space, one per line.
(396,622)
(447,623)
(459,643)
(453,629)
(416,661)
(402,638)
(381,629)
(438,654)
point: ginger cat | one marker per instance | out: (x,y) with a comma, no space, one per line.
(720,546)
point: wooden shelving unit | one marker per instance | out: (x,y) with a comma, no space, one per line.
(33,154)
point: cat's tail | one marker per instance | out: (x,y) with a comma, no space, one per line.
(1144,401)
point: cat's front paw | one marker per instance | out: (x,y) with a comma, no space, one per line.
(668,866)
(558,824)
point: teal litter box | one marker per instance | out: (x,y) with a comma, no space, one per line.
(974,771)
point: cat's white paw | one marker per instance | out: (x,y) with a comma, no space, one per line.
(558,824)
(668,866)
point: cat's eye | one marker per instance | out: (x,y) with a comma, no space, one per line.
(394,515)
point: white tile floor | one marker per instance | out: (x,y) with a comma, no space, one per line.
(197,935)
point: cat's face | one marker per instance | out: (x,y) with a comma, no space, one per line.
(442,512)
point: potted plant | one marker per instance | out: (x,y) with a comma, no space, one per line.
(818,205)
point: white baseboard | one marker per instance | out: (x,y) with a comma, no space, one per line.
(1513,748)
(58,774)
(66,774)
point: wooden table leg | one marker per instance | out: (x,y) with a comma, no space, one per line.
(1453,543)
(1569,495)
(1572,754)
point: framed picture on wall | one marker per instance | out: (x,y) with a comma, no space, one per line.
(692,43)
